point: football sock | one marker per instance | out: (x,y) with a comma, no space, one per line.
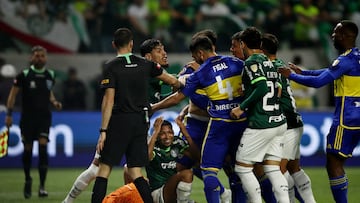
(43,164)
(99,190)
(144,189)
(303,186)
(237,192)
(267,192)
(297,195)
(26,159)
(339,188)
(81,182)
(212,186)
(278,182)
(249,182)
(183,192)
(291,186)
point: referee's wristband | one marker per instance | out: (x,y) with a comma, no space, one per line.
(103,130)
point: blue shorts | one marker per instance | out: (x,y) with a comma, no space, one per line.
(342,141)
(197,130)
(222,138)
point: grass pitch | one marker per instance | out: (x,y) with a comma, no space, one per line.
(60,180)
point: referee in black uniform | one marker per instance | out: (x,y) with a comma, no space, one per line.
(36,84)
(124,107)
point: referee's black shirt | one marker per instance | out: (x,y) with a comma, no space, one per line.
(129,75)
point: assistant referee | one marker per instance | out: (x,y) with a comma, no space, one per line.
(124,122)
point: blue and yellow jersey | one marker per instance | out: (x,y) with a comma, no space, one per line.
(346,72)
(199,97)
(220,78)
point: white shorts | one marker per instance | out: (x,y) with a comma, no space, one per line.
(157,195)
(257,144)
(292,143)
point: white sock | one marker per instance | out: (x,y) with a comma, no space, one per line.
(250,183)
(81,182)
(279,183)
(183,192)
(291,185)
(303,185)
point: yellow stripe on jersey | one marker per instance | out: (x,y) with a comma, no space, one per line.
(222,89)
(338,137)
(347,86)
(200,91)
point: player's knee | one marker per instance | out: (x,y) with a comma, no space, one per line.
(271,168)
(186,175)
(243,170)
(211,181)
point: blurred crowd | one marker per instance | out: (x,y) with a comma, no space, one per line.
(297,23)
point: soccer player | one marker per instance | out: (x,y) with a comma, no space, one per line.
(166,183)
(265,184)
(152,50)
(220,77)
(290,164)
(124,121)
(36,85)
(262,139)
(344,133)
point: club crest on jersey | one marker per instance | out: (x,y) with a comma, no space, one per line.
(32,84)
(174,152)
(335,62)
(254,67)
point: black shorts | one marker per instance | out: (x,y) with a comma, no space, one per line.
(34,126)
(127,134)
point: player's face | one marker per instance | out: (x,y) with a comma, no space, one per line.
(166,135)
(337,37)
(38,59)
(197,56)
(236,50)
(159,55)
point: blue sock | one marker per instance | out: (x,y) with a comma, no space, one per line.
(266,190)
(212,186)
(339,188)
(298,196)
(237,192)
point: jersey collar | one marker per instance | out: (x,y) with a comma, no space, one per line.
(37,70)
(127,56)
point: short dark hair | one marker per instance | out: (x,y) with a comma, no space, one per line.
(122,37)
(251,36)
(349,28)
(207,33)
(236,36)
(201,43)
(269,43)
(148,45)
(37,48)
(166,123)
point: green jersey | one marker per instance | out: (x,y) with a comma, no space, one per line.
(264,112)
(287,101)
(163,165)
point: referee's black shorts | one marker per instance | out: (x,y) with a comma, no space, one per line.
(34,126)
(127,134)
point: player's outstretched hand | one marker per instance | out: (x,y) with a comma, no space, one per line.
(295,68)
(284,71)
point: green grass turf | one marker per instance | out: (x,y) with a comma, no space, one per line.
(59,181)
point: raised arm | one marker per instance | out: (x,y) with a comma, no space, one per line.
(154,136)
